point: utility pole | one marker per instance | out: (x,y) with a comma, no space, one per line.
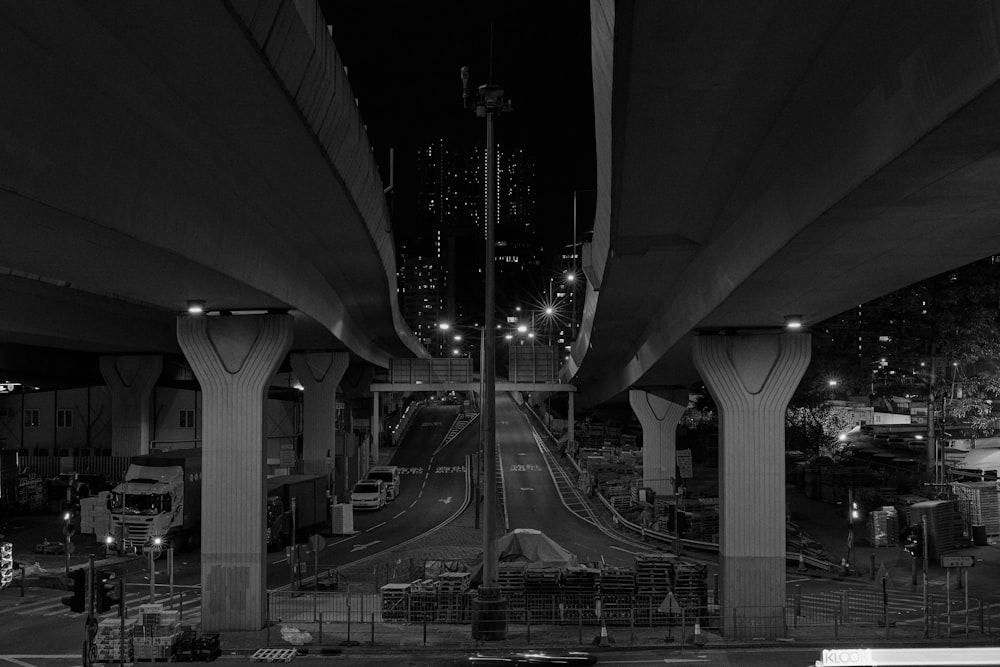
(491,610)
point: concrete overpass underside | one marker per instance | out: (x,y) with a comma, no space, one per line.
(154,153)
(760,160)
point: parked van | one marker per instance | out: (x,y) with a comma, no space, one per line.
(368,494)
(390,476)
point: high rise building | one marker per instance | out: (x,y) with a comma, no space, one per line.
(450,202)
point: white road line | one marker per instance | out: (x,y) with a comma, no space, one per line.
(378,525)
(400,514)
(633,553)
(413,503)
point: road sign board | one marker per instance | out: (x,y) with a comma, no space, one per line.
(317,543)
(958,561)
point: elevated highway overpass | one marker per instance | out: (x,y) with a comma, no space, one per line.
(156,154)
(762,160)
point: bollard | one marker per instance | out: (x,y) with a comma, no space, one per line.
(425,631)
(321,627)
(527,620)
(873,566)
(798,603)
(579,618)
(373,628)
(802,562)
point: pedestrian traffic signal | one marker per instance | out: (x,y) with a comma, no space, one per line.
(78,600)
(105,591)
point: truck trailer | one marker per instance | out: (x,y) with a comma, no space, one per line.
(158,506)
(311,501)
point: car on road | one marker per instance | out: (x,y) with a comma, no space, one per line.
(534,658)
(369,494)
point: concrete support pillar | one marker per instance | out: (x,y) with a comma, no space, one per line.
(376,425)
(752,377)
(233,358)
(320,374)
(130,379)
(571,419)
(658,412)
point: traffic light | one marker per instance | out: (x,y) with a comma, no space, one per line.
(915,542)
(105,591)
(78,600)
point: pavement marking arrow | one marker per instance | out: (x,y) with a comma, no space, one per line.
(359,547)
(445,500)
(527,488)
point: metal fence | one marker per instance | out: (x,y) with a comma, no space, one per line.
(635,619)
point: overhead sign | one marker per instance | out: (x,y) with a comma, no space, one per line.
(958,561)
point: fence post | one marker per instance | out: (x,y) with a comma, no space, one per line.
(579,623)
(798,603)
(321,628)
(527,620)
(316,605)
(267,616)
(373,628)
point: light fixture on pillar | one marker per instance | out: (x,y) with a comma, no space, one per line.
(196,307)
(793,322)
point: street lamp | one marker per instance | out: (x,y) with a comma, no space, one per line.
(490,105)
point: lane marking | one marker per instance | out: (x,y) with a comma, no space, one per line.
(378,525)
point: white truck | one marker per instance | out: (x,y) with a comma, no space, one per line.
(159,504)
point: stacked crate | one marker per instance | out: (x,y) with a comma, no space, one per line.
(423,600)
(155,637)
(690,587)
(652,584)
(944,525)
(541,594)
(109,640)
(883,527)
(617,588)
(510,581)
(453,599)
(395,602)
(979,504)
(95,517)
(579,588)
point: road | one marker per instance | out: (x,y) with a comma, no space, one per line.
(533,500)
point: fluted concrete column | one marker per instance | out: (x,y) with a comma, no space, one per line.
(752,377)
(376,426)
(130,380)
(233,358)
(571,419)
(320,374)
(658,412)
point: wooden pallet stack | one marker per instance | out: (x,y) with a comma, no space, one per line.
(453,598)
(579,589)
(979,504)
(395,602)
(652,584)
(617,589)
(542,588)
(423,600)
(510,581)
(690,586)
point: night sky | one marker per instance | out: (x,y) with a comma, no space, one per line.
(404,61)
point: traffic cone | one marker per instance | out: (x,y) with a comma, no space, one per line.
(603,639)
(698,639)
